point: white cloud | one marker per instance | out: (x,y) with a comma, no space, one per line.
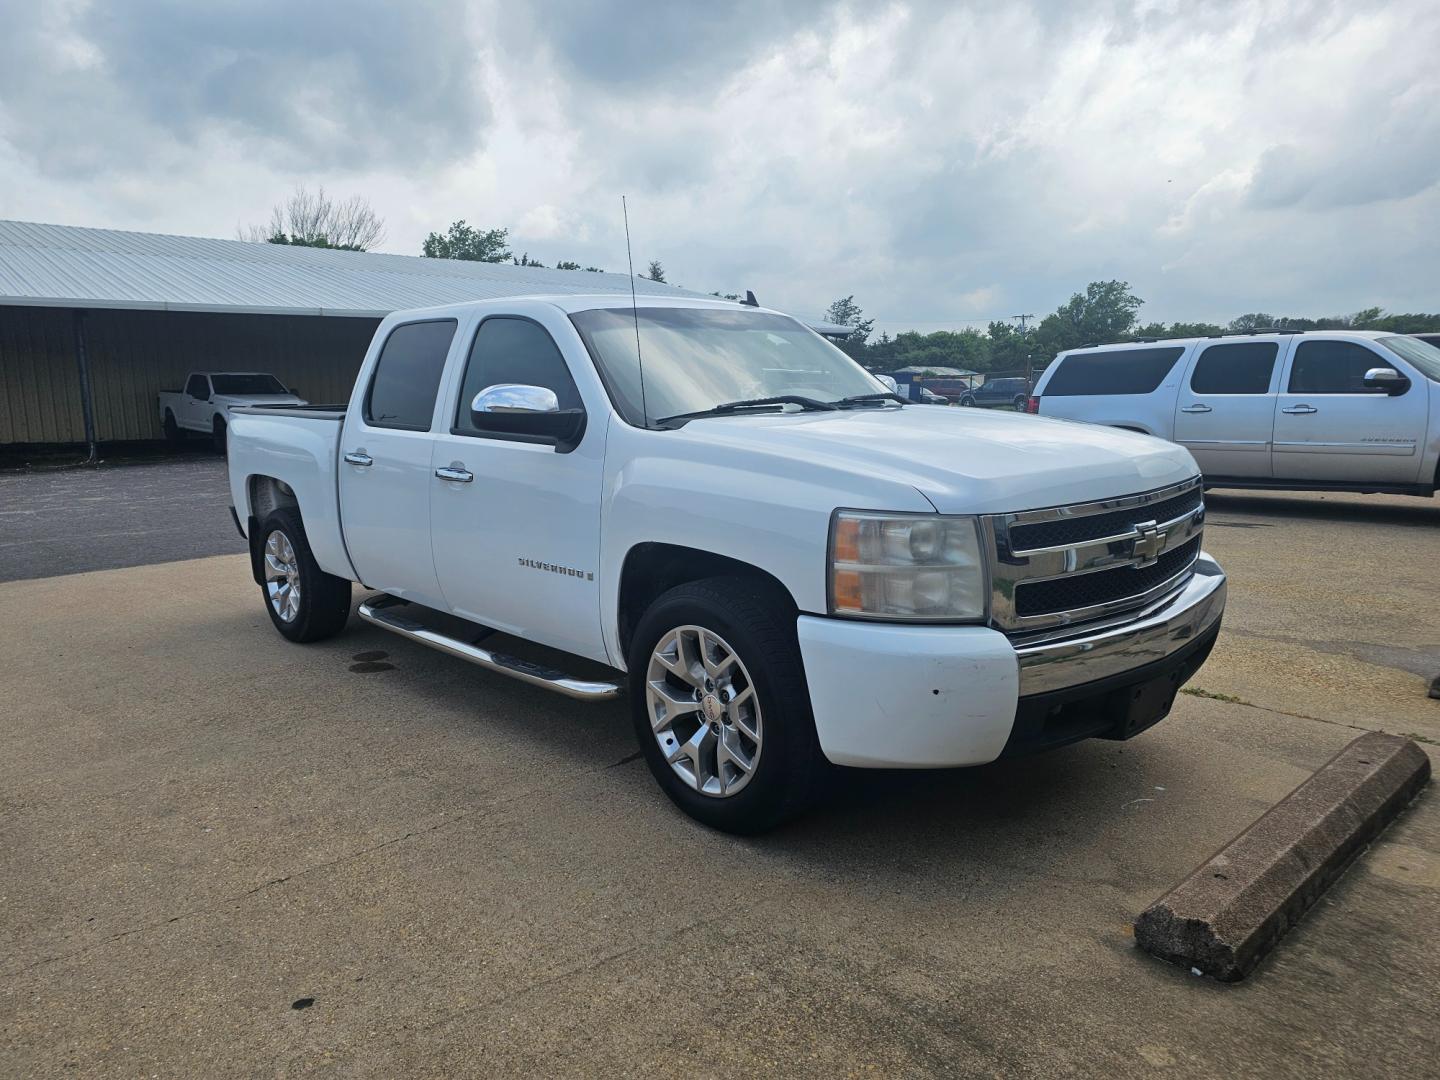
(940,162)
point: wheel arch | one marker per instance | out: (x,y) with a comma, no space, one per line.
(651,569)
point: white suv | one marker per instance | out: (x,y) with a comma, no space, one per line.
(1328,410)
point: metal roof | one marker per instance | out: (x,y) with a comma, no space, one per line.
(66,266)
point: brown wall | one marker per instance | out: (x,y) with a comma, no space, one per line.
(133,355)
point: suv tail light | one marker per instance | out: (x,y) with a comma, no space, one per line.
(1033,405)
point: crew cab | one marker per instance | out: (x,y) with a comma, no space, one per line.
(713,510)
(1321,410)
(204,404)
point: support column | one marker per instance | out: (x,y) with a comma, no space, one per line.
(87,400)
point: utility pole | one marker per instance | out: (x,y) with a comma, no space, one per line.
(1029,367)
(1023,319)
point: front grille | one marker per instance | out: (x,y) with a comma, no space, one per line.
(1103,586)
(1075,530)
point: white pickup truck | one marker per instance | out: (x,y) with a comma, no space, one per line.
(204,404)
(715,510)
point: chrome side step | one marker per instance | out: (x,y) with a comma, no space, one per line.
(388,612)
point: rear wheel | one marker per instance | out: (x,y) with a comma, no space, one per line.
(172,430)
(303,601)
(720,706)
(1021,402)
(218,434)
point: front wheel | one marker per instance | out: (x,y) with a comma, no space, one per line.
(720,705)
(303,601)
(968,402)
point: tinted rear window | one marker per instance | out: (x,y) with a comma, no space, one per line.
(407,375)
(1241,368)
(1112,371)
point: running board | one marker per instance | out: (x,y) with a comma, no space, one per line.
(382,611)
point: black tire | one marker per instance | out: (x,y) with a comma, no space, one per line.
(173,431)
(758,623)
(324,599)
(1021,402)
(219,432)
(968,402)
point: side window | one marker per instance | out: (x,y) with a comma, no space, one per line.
(1113,371)
(198,387)
(407,375)
(1240,368)
(1332,367)
(509,350)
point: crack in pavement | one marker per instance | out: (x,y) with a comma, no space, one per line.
(237,898)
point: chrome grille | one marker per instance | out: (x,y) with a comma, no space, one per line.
(1068,564)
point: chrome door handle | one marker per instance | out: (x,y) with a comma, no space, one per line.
(1196,408)
(1300,410)
(359,457)
(456,474)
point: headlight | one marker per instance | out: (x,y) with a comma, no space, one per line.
(906,566)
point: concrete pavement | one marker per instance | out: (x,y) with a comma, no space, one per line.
(204,825)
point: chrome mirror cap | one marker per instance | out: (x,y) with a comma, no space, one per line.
(515,398)
(1383,375)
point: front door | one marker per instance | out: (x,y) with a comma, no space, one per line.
(385,472)
(1330,428)
(195,409)
(1225,413)
(516,522)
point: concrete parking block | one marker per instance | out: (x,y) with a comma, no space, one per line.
(1239,903)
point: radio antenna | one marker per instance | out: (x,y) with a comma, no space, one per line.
(635,310)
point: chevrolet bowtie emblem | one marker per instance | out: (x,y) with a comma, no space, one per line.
(1148,544)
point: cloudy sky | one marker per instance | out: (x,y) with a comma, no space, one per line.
(943,162)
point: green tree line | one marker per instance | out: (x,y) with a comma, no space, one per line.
(1106,311)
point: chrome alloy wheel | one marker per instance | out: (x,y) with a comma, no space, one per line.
(282,576)
(703,711)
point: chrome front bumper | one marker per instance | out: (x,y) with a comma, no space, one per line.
(1057,662)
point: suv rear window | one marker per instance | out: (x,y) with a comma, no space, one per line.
(1243,367)
(1112,371)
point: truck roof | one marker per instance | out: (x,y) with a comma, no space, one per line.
(570,303)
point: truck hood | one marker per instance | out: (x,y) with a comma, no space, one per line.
(964,461)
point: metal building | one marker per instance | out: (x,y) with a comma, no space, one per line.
(95,322)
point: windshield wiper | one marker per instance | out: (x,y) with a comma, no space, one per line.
(866,399)
(807,404)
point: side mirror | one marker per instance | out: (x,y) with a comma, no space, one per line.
(890,383)
(527,413)
(1387,380)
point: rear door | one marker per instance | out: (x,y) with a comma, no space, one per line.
(1330,427)
(1225,411)
(516,521)
(384,462)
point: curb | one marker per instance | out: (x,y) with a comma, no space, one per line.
(1237,905)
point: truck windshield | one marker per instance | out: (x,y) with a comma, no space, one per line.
(1420,353)
(253,383)
(697,358)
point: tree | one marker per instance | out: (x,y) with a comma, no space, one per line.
(316,220)
(525,260)
(1105,311)
(845,312)
(566,264)
(468,244)
(656,272)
